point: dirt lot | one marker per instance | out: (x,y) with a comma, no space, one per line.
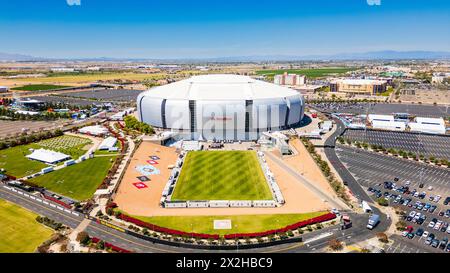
(10,128)
(145,202)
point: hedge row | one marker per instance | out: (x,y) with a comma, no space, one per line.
(315,220)
(108,245)
(167,230)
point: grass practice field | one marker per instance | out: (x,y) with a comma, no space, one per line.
(240,223)
(15,163)
(310,73)
(20,231)
(78,181)
(38,87)
(221,175)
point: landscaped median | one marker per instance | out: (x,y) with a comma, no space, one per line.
(181,228)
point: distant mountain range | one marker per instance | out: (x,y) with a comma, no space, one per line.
(373,55)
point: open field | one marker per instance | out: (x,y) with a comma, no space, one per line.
(21,233)
(15,163)
(240,223)
(38,87)
(78,181)
(221,175)
(85,78)
(310,73)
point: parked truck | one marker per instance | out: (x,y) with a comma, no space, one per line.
(373,221)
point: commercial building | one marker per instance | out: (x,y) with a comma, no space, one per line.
(289,79)
(358,86)
(221,107)
(428,125)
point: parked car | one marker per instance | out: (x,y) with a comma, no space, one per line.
(419,232)
(435,243)
(443,243)
(412,213)
(425,234)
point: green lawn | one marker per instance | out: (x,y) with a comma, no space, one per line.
(38,87)
(221,175)
(310,73)
(20,231)
(15,163)
(78,181)
(240,223)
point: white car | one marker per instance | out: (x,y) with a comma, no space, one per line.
(408,183)
(425,234)
(448,229)
(438,225)
(404,233)
(437,198)
(416,194)
(431,224)
(430,188)
(412,214)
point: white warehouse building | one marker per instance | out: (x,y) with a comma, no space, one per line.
(221,107)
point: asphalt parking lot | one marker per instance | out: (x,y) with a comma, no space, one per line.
(64,100)
(385,108)
(107,94)
(416,205)
(428,145)
(370,169)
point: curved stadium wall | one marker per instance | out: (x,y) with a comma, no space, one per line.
(221,107)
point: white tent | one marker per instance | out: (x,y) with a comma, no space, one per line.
(48,156)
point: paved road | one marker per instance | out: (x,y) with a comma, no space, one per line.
(314,240)
(353,185)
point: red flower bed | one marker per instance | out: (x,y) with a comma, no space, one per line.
(57,201)
(167,230)
(315,220)
(108,245)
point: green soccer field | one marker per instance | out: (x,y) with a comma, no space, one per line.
(78,181)
(39,87)
(221,175)
(20,231)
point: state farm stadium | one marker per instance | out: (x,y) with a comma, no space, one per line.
(221,107)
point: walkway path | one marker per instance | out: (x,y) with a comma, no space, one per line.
(334,201)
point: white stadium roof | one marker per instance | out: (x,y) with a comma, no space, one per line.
(47,156)
(220,87)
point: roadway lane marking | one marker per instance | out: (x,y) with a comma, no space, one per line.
(127,240)
(39,205)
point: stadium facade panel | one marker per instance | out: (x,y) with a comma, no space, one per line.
(221,107)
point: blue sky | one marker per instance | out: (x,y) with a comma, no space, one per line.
(214,28)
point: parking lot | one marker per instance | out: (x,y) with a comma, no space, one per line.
(110,95)
(428,145)
(64,100)
(427,221)
(370,169)
(385,108)
(12,128)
